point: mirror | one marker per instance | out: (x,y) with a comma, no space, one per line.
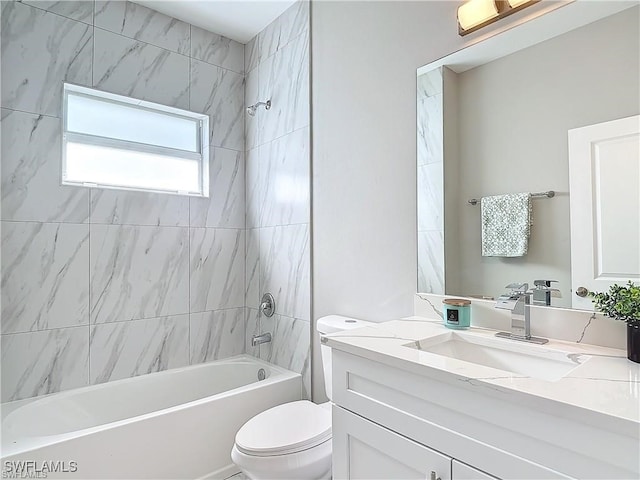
(501,127)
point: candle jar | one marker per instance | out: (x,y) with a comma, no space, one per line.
(456,313)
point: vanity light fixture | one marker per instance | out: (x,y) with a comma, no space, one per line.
(475,14)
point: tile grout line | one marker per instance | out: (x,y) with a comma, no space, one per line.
(90,325)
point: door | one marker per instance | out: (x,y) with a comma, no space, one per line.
(604,180)
(367,451)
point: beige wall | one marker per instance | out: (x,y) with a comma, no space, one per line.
(586,76)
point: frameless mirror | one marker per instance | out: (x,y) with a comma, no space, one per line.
(501,127)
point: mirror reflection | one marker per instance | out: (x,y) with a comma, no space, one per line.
(501,128)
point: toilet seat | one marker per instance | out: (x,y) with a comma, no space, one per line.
(285,429)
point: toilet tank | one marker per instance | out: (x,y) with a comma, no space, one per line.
(332,324)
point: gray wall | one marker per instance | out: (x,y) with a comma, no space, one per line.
(364,61)
(99,285)
(278,197)
(513,138)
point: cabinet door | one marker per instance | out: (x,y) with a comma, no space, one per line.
(461,471)
(365,450)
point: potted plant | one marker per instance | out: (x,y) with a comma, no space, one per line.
(622,302)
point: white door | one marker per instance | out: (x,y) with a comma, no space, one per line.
(604,180)
(364,450)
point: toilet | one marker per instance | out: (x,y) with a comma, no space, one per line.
(293,440)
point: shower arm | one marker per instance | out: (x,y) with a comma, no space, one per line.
(251,109)
(267,104)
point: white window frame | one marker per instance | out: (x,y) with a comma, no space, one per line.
(202,141)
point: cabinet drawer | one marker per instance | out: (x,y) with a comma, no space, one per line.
(363,450)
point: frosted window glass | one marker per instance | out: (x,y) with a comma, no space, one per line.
(110,166)
(94,116)
(112,141)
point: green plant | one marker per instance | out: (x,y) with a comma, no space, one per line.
(621,302)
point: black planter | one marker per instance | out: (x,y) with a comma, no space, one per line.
(633,342)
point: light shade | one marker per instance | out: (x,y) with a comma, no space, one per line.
(517,3)
(476,12)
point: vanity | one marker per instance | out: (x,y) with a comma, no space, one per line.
(413,399)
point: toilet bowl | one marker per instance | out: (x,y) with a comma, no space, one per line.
(290,441)
(293,440)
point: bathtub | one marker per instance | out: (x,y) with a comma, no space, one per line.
(178,423)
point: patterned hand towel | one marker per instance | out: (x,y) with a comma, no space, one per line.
(506,224)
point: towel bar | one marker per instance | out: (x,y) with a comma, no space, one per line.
(548,194)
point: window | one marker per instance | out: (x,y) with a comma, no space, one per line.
(111,141)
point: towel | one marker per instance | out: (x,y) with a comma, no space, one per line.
(506,224)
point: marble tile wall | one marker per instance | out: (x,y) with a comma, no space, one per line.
(277,176)
(430,192)
(99,285)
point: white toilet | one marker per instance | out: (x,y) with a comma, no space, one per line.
(293,440)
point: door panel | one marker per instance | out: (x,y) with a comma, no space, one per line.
(604,177)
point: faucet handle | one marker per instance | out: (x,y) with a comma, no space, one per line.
(544,284)
(518,287)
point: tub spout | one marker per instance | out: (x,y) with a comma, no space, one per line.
(259,339)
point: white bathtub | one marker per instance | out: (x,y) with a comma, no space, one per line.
(179,423)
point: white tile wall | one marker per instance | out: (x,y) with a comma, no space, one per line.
(31,152)
(217,269)
(430,185)
(141,23)
(138,272)
(43,362)
(130,283)
(225,206)
(49,49)
(216,335)
(126,349)
(106,275)
(45,276)
(277,190)
(220,94)
(217,50)
(161,75)
(118,207)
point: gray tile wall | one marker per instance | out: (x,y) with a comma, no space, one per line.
(99,285)
(278,200)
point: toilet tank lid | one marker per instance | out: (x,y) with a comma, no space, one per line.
(338,323)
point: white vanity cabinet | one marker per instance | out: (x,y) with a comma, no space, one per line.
(364,450)
(393,423)
(367,451)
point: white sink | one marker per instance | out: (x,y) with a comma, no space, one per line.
(509,355)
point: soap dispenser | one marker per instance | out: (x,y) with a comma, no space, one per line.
(542,292)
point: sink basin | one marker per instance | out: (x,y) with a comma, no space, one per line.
(509,355)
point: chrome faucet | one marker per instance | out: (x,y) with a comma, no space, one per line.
(518,302)
(260,339)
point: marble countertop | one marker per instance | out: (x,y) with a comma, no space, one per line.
(603,388)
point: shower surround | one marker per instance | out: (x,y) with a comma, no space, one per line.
(99,285)
(278,181)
